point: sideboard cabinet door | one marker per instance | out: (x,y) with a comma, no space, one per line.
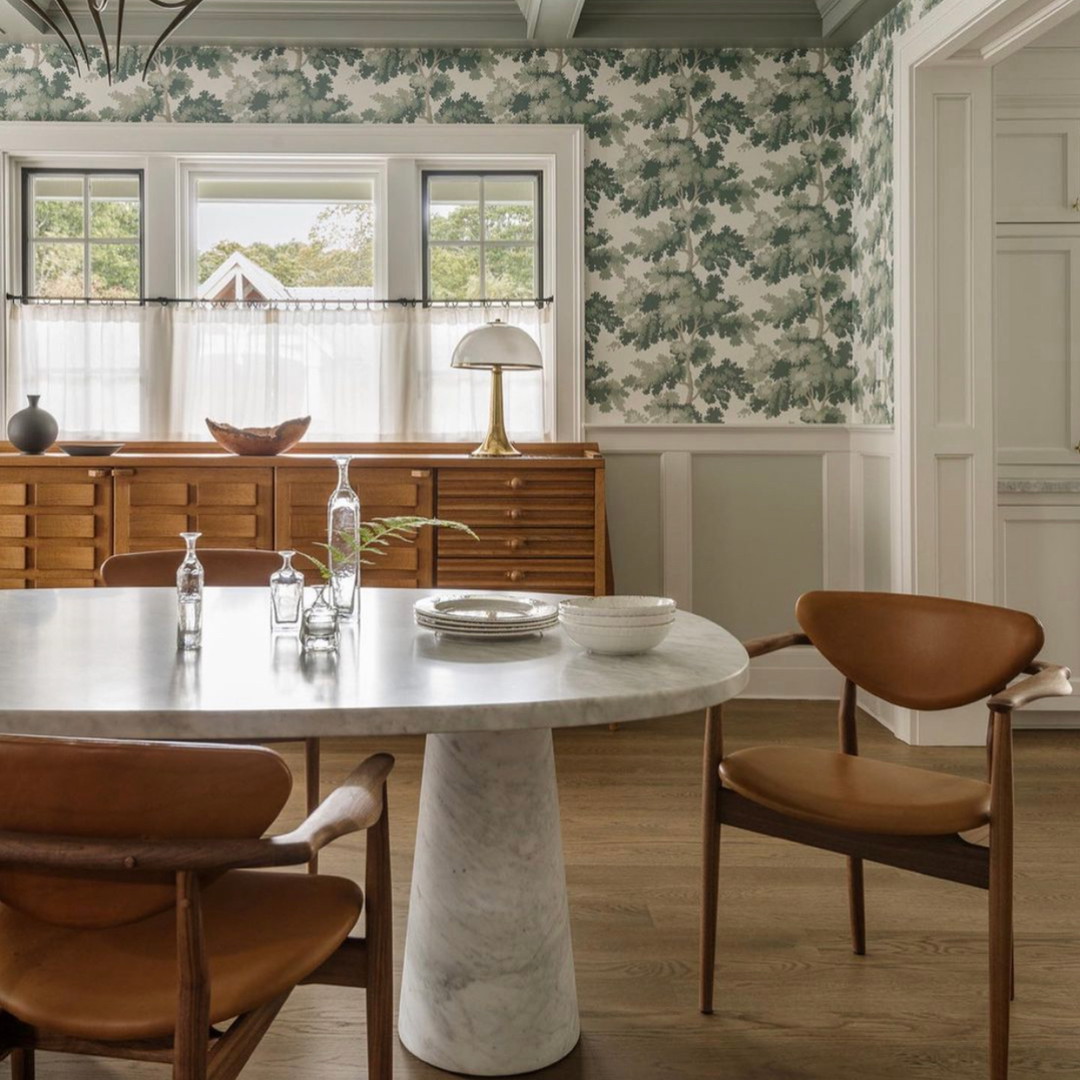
(55,526)
(231,507)
(301,497)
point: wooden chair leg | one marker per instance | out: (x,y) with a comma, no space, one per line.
(1001,898)
(710,861)
(379,994)
(857,905)
(22,1065)
(192,1042)
(1001,967)
(313,783)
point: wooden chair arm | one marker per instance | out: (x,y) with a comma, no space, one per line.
(1048,680)
(762,645)
(353,807)
(357,804)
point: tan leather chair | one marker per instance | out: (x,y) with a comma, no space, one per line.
(228,567)
(223,566)
(918,652)
(133,919)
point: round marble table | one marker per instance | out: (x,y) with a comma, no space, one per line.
(488,986)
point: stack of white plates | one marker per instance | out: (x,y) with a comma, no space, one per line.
(485,615)
(617,625)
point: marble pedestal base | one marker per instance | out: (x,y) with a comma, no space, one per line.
(488,987)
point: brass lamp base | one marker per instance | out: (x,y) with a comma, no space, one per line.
(497,443)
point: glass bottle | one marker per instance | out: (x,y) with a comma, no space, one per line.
(319,632)
(286,596)
(189,596)
(343,527)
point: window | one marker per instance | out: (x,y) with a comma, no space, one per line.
(483,235)
(316,232)
(291,237)
(82,233)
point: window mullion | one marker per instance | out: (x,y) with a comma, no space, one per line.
(483,240)
(86,236)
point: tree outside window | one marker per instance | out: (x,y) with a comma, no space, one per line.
(83,234)
(482,236)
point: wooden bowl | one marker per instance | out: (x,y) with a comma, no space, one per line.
(260,442)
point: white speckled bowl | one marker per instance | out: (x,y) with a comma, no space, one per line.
(617,607)
(616,640)
(663,618)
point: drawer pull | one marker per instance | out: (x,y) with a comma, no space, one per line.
(513,514)
(98,474)
(123,472)
(514,544)
(515,575)
(517,483)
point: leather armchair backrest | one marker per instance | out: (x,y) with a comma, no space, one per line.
(222,566)
(109,790)
(920,652)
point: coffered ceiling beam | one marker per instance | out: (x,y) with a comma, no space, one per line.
(551,22)
(20,23)
(843,22)
(491,23)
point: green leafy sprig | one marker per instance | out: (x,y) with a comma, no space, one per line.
(378,534)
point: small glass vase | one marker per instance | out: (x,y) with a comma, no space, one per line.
(319,631)
(286,596)
(343,528)
(189,597)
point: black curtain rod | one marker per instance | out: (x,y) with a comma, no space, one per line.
(169,301)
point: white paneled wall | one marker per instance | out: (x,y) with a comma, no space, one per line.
(736,522)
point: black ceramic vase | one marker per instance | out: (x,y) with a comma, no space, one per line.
(32,430)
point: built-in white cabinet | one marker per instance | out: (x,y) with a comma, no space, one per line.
(1037,170)
(1039,567)
(1037,311)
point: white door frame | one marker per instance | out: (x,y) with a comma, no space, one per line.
(943,296)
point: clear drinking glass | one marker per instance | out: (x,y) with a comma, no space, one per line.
(189,596)
(319,632)
(343,526)
(286,596)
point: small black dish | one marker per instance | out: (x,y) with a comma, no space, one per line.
(98,449)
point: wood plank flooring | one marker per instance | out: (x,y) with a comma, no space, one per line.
(792,1002)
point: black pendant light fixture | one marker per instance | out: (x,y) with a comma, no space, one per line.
(98,10)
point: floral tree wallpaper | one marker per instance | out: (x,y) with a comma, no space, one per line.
(872,230)
(724,209)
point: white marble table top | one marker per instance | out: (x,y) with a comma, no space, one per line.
(103,662)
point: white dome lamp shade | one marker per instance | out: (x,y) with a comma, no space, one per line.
(497,347)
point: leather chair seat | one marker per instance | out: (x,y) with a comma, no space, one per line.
(854,793)
(265,932)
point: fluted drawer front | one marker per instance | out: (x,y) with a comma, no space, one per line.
(513,544)
(561,513)
(517,482)
(542,575)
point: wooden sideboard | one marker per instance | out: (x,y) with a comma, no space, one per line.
(540,518)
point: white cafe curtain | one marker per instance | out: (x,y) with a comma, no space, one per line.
(362,373)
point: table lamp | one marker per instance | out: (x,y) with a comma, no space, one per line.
(497,347)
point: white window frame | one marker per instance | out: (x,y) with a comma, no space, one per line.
(192,170)
(171,154)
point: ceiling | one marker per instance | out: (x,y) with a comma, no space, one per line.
(497,23)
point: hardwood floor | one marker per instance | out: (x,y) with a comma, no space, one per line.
(792,1002)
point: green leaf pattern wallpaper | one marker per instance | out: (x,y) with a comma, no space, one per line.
(872,225)
(724,209)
